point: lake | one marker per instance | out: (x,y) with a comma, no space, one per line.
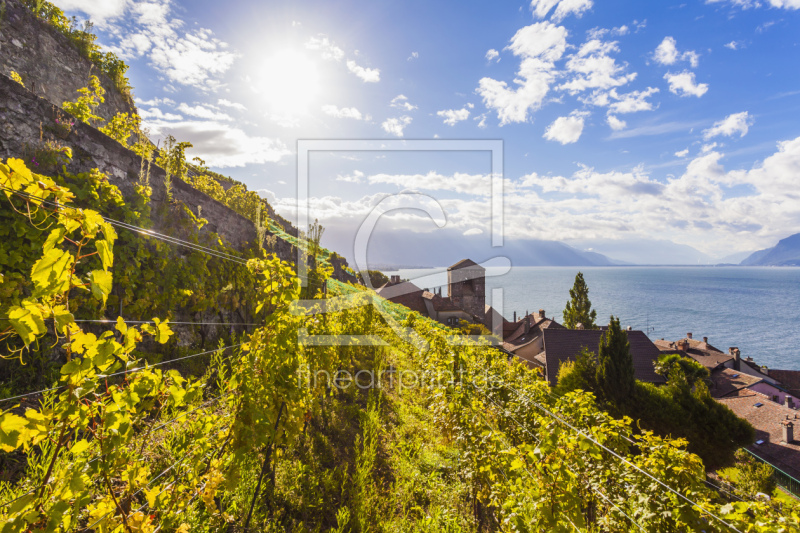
(756,309)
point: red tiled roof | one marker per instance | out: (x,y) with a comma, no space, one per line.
(703,353)
(404,293)
(767,420)
(727,380)
(790,379)
(565,344)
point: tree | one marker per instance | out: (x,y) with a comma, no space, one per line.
(578,374)
(691,369)
(615,378)
(753,476)
(376,278)
(579,308)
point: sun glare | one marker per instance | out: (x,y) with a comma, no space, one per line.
(289,82)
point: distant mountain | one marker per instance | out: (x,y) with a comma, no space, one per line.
(647,251)
(785,253)
(734,259)
(444,248)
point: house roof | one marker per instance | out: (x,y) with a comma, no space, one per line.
(565,344)
(404,293)
(725,381)
(790,379)
(465,263)
(767,420)
(702,352)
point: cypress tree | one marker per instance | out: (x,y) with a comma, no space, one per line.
(615,377)
(579,308)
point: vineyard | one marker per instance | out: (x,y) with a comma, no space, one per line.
(155,377)
(401,427)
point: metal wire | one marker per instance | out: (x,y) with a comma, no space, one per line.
(128,371)
(113,321)
(623,459)
(137,229)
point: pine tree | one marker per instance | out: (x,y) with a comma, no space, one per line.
(579,308)
(615,378)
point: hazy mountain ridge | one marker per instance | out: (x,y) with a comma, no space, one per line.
(785,253)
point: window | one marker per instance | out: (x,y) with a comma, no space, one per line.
(759,404)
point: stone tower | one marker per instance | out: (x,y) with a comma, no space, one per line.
(466,287)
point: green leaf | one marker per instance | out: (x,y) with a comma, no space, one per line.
(101,283)
(79,447)
(55,238)
(50,274)
(11,429)
(27,322)
(104,250)
(162,331)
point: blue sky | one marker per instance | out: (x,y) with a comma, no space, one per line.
(622,121)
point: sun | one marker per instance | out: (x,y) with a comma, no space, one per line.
(288,82)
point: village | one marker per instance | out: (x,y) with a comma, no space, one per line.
(767,398)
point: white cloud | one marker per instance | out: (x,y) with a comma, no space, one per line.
(688,208)
(154,101)
(747,4)
(401,102)
(356,177)
(615,123)
(632,102)
(459,182)
(594,68)
(667,53)
(682,153)
(472,231)
(156,113)
(414,55)
(492,54)
(563,8)
(566,130)
(184,56)
(325,46)
(734,45)
(730,125)
(395,126)
(367,75)
(201,111)
(539,46)
(344,112)
(684,84)
(97,10)
(706,148)
(220,144)
(452,116)
(234,105)
(599,33)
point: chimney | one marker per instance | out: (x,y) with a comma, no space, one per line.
(737,357)
(579,325)
(527,324)
(515,316)
(790,402)
(541,313)
(395,278)
(705,340)
(788,431)
(629,328)
(689,335)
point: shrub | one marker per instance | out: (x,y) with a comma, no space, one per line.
(91,97)
(753,476)
(17,78)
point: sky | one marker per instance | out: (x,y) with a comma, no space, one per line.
(628,127)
